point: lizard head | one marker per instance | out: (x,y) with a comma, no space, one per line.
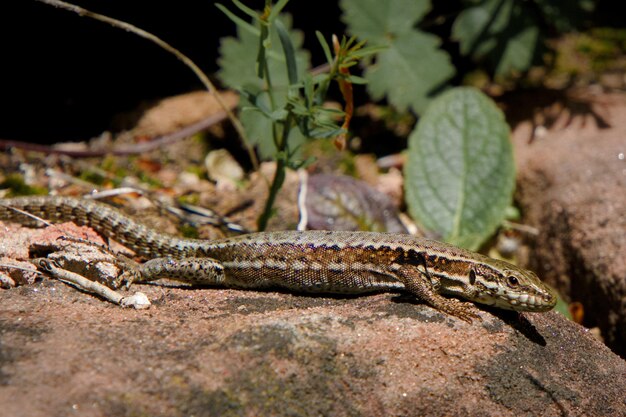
(507,286)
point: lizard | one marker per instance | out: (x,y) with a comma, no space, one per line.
(341,262)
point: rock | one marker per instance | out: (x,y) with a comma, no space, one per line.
(221,352)
(174,113)
(572,187)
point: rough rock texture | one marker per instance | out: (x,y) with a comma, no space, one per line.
(217,352)
(231,353)
(572,187)
(18,245)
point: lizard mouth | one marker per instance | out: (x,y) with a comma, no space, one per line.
(519,302)
(530,302)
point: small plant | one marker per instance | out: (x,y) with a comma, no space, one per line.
(282,102)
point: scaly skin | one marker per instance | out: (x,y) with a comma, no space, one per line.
(311,261)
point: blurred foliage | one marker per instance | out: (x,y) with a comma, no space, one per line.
(17,186)
(595,50)
(500,38)
(412,65)
(238,70)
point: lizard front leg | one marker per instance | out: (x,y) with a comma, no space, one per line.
(422,286)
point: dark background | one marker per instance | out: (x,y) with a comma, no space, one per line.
(64,77)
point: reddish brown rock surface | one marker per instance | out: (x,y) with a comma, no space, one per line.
(572,187)
(230,353)
(216,352)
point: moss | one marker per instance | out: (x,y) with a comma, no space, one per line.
(198,170)
(189,231)
(146,178)
(598,50)
(93,177)
(17,186)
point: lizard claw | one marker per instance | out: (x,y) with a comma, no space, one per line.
(459,309)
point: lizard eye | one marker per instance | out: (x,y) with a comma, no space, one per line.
(512,281)
(472,277)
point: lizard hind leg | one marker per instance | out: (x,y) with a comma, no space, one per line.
(195,271)
(418,284)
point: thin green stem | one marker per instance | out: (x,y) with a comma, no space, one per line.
(270,93)
(282,161)
(279,140)
(277,183)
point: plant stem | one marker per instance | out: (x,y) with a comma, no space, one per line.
(280,141)
(279,175)
(277,183)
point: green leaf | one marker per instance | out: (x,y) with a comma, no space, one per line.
(519,52)
(254,15)
(289,50)
(278,115)
(264,45)
(375,20)
(325,47)
(460,174)
(409,71)
(562,306)
(238,71)
(309,89)
(355,79)
(241,24)
(238,57)
(276,9)
(566,15)
(504,32)
(365,52)
(259,129)
(412,67)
